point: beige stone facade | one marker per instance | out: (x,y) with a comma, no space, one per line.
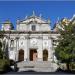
(33,40)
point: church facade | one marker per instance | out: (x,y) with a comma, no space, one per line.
(31,41)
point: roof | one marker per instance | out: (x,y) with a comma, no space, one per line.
(33,18)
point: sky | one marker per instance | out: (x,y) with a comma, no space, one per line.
(14,10)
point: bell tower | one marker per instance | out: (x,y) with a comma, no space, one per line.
(7,25)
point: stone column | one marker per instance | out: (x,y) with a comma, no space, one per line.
(49,55)
(28,46)
(17,48)
(25,55)
(40,50)
(25,50)
(50,50)
(40,55)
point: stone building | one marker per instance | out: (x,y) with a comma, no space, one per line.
(33,40)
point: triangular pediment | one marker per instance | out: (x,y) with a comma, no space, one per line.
(28,23)
(33,19)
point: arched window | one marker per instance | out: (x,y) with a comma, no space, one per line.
(33,27)
(21,55)
(12,43)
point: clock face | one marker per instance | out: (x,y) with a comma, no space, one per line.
(45,43)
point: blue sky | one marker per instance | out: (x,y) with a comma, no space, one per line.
(13,10)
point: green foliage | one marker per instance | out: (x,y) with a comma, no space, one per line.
(4,63)
(1,52)
(65,50)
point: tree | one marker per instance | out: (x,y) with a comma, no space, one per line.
(1,52)
(65,50)
(4,62)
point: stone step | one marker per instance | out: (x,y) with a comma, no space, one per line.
(36,69)
(37,66)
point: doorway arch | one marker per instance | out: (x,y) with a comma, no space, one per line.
(45,55)
(33,54)
(21,55)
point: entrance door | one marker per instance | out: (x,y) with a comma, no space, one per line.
(21,55)
(33,54)
(45,55)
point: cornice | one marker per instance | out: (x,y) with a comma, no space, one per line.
(28,32)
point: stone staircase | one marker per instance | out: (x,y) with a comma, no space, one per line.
(38,66)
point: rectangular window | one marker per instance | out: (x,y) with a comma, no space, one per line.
(33,28)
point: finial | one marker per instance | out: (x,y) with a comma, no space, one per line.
(33,13)
(18,21)
(57,19)
(74,15)
(26,17)
(40,15)
(48,20)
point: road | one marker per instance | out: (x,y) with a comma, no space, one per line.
(37,73)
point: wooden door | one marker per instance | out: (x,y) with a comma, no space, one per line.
(45,55)
(21,55)
(33,55)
